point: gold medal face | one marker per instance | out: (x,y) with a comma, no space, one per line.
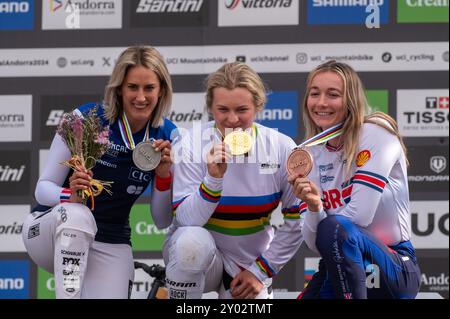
(239,142)
(300,162)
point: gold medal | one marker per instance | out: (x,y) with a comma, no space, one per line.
(239,142)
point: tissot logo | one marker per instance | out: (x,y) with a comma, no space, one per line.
(169,13)
(423,112)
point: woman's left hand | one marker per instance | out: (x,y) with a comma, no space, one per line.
(163,169)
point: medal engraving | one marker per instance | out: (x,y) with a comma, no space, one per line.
(239,142)
(145,157)
(300,162)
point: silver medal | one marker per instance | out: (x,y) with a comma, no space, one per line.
(145,157)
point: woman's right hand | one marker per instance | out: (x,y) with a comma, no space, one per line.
(217,159)
(79,181)
(307,191)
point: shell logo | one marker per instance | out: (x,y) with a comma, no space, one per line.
(362,158)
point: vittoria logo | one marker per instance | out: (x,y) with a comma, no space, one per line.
(232,4)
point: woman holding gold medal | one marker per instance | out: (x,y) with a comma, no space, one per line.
(351,175)
(230,178)
(89,252)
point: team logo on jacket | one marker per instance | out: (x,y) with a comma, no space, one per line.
(362,158)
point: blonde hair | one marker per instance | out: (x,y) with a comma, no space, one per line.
(356,108)
(150,58)
(236,75)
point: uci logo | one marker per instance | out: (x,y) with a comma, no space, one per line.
(438,164)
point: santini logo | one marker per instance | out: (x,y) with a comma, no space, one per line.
(173,6)
(14,7)
(8,174)
(248,4)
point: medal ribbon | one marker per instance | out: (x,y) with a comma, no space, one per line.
(324,136)
(127,136)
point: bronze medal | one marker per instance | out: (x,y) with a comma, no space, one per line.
(300,162)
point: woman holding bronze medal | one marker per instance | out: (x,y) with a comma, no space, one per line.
(89,252)
(351,175)
(221,239)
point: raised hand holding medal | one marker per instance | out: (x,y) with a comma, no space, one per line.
(300,161)
(145,157)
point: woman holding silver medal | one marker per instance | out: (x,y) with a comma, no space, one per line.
(89,252)
(221,238)
(351,175)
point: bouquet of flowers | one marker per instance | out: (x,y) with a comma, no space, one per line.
(87,140)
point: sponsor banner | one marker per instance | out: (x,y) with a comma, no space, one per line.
(428,170)
(378,100)
(45,285)
(434,276)
(53,107)
(11,220)
(258,12)
(422,11)
(281,113)
(81,14)
(15,118)
(169,13)
(348,12)
(14,279)
(422,112)
(429,223)
(16,15)
(43,155)
(263,58)
(15,173)
(142,283)
(145,236)
(188,108)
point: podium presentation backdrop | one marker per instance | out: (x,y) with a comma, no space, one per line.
(57,54)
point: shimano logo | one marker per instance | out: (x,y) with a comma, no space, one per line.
(8,174)
(172,6)
(275,114)
(12,283)
(347,3)
(14,229)
(14,7)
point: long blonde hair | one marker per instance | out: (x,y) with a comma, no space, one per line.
(356,108)
(150,58)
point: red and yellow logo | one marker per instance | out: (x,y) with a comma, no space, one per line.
(362,158)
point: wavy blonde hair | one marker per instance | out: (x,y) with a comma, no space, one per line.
(150,58)
(233,75)
(357,110)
